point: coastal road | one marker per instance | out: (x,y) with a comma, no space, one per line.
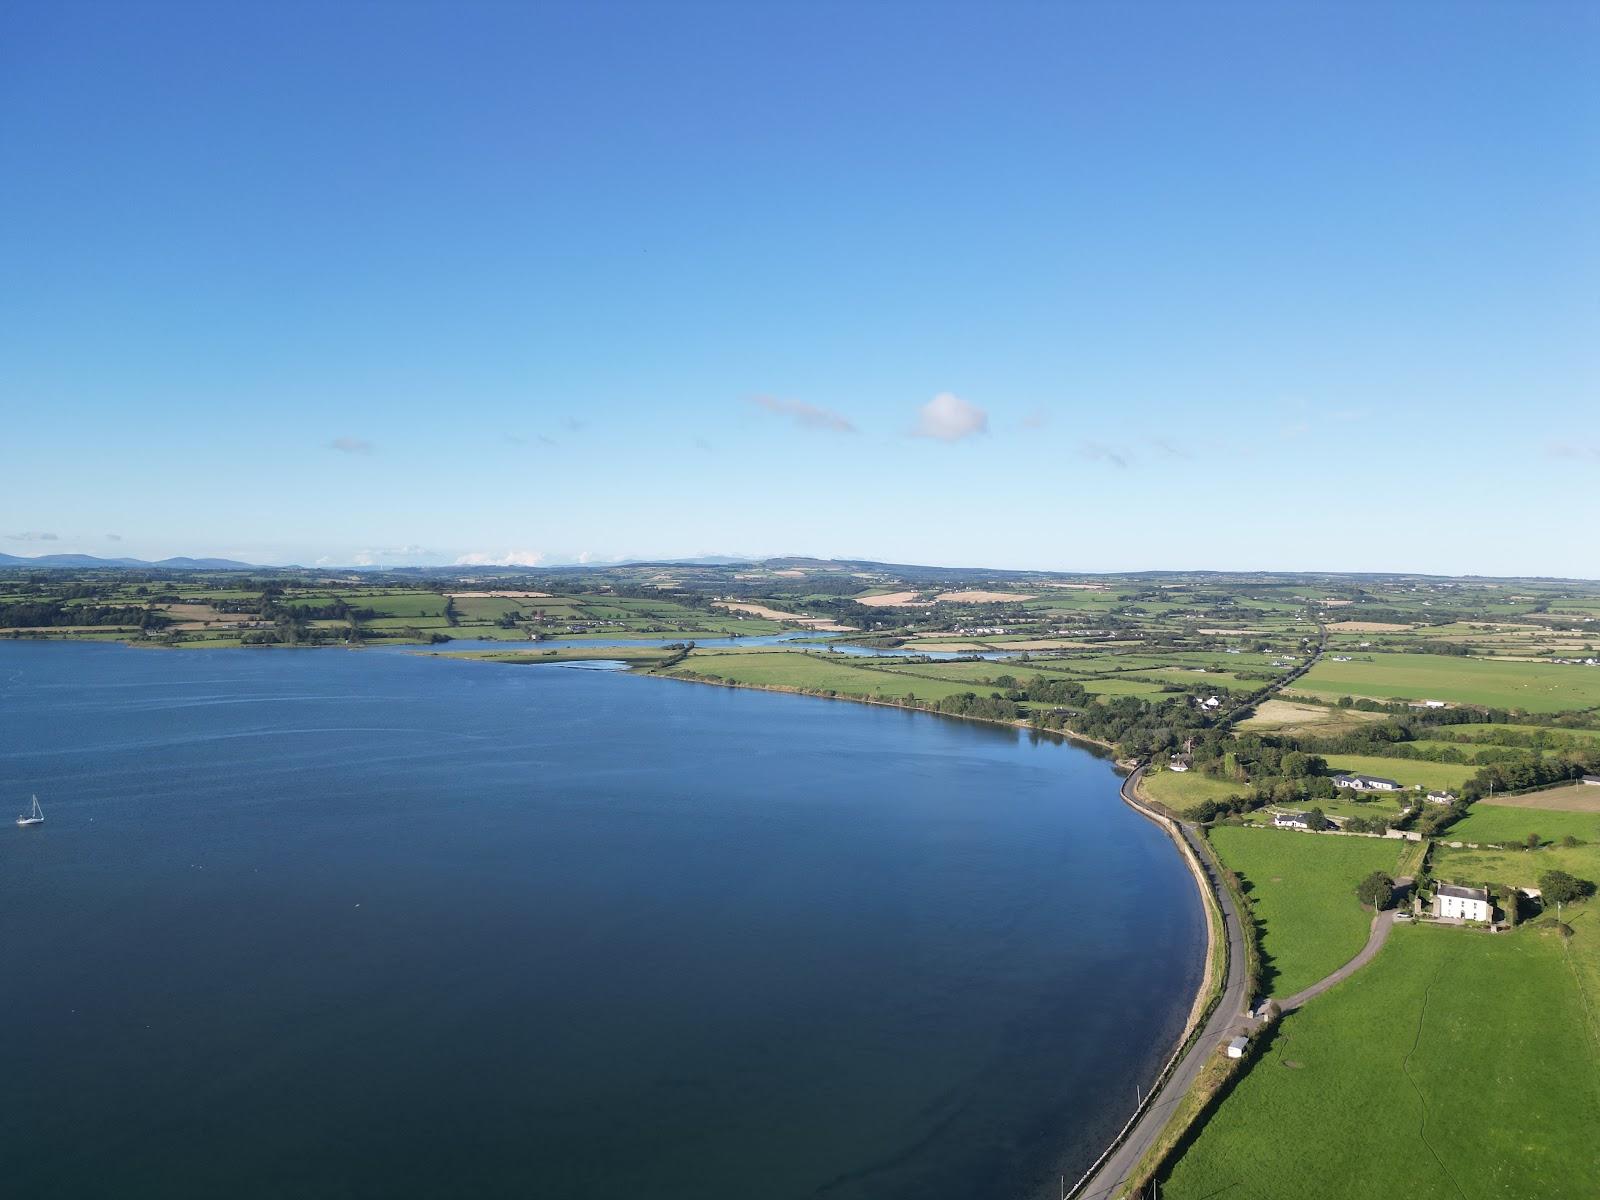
(1226,1019)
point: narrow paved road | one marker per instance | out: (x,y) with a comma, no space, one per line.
(1228,1016)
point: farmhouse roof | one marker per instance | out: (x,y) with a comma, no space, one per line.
(1464,893)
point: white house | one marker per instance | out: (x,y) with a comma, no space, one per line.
(1178,764)
(1236,1047)
(1441,797)
(1291,820)
(1593,780)
(1365,783)
(1467,904)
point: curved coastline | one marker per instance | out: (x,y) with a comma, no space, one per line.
(1216,975)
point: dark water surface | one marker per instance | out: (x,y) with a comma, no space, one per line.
(348,924)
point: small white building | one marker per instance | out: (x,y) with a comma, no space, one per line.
(1236,1047)
(1291,820)
(1592,780)
(1462,903)
(1441,797)
(1178,764)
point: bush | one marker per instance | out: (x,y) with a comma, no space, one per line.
(1558,887)
(1376,890)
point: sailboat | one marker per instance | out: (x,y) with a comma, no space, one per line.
(33,816)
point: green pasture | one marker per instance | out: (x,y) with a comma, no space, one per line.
(1183,791)
(1505,823)
(1456,1066)
(1532,687)
(1302,889)
(812,672)
(1519,868)
(1408,771)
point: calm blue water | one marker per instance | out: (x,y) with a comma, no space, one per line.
(349,924)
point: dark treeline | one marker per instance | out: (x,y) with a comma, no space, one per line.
(55,614)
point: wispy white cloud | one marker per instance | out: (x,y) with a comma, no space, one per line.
(113,537)
(949,418)
(511,558)
(33,537)
(807,416)
(351,445)
(1117,456)
(1037,419)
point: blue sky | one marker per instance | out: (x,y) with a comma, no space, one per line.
(1084,287)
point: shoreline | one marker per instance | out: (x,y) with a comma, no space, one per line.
(1214,974)
(794,691)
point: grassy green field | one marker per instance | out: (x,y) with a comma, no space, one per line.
(1454,1066)
(1504,823)
(1408,771)
(817,672)
(1518,868)
(1533,687)
(1184,790)
(1302,889)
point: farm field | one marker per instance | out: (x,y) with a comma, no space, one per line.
(1359,1093)
(1519,868)
(1572,797)
(1532,687)
(810,672)
(1486,823)
(1408,771)
(1287,717)
(1302,888)
(1184,790)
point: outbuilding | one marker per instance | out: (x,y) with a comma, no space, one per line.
(1237,1046)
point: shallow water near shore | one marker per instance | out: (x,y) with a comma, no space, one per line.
(344,923)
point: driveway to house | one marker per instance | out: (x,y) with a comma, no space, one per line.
(1227,1018)
(1381,924)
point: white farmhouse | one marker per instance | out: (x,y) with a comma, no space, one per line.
(1441,797)
(1291,820)
(1463,903)
(1366,783)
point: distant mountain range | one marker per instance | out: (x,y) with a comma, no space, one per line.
(89,560)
